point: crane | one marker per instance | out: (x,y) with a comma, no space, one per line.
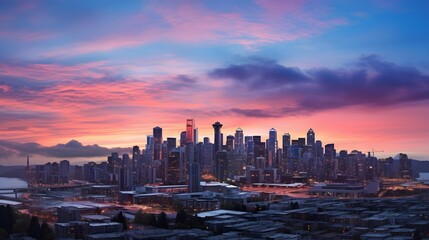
(374,151)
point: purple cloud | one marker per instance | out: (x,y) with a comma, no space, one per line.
(369,81)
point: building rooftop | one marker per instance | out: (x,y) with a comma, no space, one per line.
(215,213)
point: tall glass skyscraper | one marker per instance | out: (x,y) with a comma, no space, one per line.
(239,144)
(157,143)
(272,148)
(311,137)
(190,130)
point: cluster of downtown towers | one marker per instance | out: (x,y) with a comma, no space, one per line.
(246,159)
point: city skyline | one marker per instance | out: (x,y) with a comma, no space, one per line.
(108,73)
(79,153)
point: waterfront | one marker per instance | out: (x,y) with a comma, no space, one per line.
(11,183)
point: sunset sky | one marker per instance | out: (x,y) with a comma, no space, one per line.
(107,72)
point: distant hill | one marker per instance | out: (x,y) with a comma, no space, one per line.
(418,166)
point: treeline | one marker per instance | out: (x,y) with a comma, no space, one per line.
(14,222)
(183,220)
(150,219)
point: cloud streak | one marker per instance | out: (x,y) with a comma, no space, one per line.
(370,82)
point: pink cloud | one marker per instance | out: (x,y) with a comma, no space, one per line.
(59,72)
(4,88)
(280,8)
(194,23)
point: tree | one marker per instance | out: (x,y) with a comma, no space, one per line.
(243,207)
(185,220)
(139,217)
(181,219)
(98,211)
(10,215)
(34,230)
(294,205)
(46,232)
(417,235)
(3,234)
(22,223)
(162,220)
(120,218)
(152,220)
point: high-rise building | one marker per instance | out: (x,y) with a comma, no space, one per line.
(137,165)
(311,137)
(301,142)
(157,143)
(173,167)
(285,148)
(126,175)
(229,143)
(171,144)
(190,130)
(64,170)
(206,157)
(249,147)
(330,156)
(195,134)
(286,141)
(66,214)
(136,156)
(221,166)
(272,148)
(258,147)
(183,139)
(342,161)
(194,177)
(217,136)
(386,168)
(330,152)
(404,166)
(238,141)
(371,167)
(356,167)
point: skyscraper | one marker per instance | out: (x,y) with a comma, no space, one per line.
(404,166)
(171,144)
(229,143)
(330,156)
(194,177)
(173,167)
(286,141)
(221,166)
(258,147)
(238,144)
(272,148)
(206,157)
(126,174)
(137,165)
(311,138)
(248,145)
(64,170)
(194,172)
(157,143)
(183,139)
(217,137)
(195,134)
(136,157)
(190,130)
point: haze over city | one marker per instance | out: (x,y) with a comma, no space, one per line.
(82,73)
